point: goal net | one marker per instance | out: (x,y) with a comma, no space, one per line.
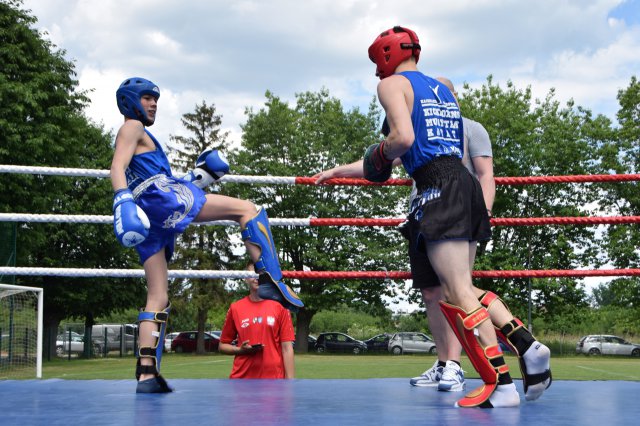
(20,332)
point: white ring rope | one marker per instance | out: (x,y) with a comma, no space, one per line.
(120,273)
(61,171)
(100,219)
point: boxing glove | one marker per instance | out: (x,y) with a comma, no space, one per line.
(130,223)
(211,165)
(377,168)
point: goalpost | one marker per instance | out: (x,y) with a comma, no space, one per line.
(20,331)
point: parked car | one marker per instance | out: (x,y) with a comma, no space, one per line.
(75,345)
(606,345)
(311,343)
(339,342)
(378,343)
(116,336)
(186,342)
(168,338)
(411,342)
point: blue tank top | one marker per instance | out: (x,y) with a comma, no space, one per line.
(147,164)
(437,122)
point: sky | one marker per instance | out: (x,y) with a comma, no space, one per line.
(229,53)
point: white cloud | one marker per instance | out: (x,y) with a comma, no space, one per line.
(230,53)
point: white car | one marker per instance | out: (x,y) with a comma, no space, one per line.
(409,342)
(606,345)
(64,346)
(168,338)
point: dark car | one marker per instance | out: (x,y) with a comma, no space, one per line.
(311,343)
(339,342)
(378,343)
(187,340)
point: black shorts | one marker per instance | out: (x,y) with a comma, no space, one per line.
(449,206)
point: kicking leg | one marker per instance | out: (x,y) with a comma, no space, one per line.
(257,237)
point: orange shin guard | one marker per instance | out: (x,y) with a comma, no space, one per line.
(464,325)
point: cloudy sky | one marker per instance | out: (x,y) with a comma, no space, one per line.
(230,52)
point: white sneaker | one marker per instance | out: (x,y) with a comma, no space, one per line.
(452,379)
(431,377)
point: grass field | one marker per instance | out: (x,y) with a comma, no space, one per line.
(314,366)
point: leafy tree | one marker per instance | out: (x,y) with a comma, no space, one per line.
(621,292)
(201,247)
(313,135)
(539,137)
(42,124)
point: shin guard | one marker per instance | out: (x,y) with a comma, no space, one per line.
(534,383)
(487,361)
(257,232)
(159,385)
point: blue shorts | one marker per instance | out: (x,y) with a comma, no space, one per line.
(171,205)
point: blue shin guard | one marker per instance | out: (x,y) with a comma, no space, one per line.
(157,384)
(257,232)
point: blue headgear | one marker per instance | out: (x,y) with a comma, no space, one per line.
(128,97)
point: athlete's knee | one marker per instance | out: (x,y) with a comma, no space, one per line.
(431,294)
(248,211)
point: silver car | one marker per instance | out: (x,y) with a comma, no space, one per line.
(601,344)
(411,342)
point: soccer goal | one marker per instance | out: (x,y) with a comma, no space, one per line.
(20,332)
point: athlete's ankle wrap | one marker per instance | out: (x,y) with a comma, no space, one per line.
(487,361)
(153,352)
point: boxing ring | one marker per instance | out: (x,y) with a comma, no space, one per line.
(305,401)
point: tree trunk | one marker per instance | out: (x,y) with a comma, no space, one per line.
(303,320)
(202,319)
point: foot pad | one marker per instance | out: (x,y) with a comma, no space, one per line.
(536,371)
(154,385)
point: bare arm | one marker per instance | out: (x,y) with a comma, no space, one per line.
(229,349)
(289,363)
(352,170)
(127,140)
(396,97)
(484,170)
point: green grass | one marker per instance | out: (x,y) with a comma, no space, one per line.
(313,366)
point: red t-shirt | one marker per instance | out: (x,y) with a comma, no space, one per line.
(265,322)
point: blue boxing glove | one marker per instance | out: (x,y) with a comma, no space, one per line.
(211,165)
(376,167)
(130,223)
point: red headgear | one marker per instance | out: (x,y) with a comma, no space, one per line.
(393,47)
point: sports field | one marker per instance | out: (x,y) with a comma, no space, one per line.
(314,366)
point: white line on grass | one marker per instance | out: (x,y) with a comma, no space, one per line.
(608,372)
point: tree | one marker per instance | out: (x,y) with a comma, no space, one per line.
(539,137)
(201,247)
(42,124)
(314,135)
(622,155)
